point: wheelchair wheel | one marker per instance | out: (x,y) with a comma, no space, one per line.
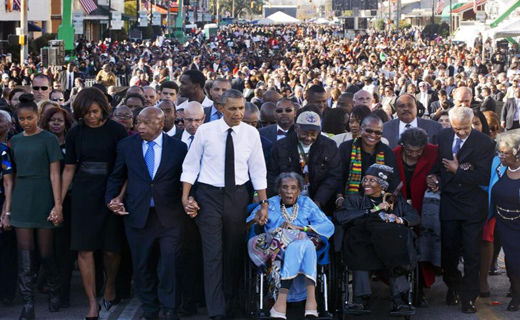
(415,284)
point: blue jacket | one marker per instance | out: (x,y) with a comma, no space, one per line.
(497,171)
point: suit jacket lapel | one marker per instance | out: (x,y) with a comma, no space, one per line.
(466,147)
(163,155)
(140,157)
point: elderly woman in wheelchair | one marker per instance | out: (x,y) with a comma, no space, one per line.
(377,237)
(287,249)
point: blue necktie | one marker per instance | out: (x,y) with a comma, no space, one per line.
(190,141)
(219,114)
(149,159)
(457,145)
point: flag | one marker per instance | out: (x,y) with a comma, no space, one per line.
(88,5)
(8,6)
(475,6)
(440,4)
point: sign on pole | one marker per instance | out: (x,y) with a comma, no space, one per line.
(77,22)
(143,18)
(156,19)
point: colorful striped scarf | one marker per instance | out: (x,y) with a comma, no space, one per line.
(355,173)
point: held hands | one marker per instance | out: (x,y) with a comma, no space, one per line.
(56,215)
(117,206)
(433,182)
(191,207)
(451,165)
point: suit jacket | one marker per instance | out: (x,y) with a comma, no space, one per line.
(508,113)
(178,134)
(489,104)
(270,132)
(436,105)
(165,187)
(391,130)
(462,197)
(62,78)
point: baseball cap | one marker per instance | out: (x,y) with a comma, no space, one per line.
(309,120)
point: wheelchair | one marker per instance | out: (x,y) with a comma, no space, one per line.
(344,291)
(256,284)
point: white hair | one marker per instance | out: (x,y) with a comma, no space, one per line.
(510,140)
(6,115)
(461,113)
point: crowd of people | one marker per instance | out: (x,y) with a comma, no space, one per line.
(148,177)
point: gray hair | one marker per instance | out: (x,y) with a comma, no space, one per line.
(6,115)
(510,140)
(231,94)
(289,175)
(251,108)
(461,113)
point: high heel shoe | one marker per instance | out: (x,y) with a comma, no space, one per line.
(108,304)
(276,315)
(96,317)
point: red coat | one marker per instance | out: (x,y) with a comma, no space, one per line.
(418,187)
(422,169)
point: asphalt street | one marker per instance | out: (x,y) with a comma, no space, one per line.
(492,308)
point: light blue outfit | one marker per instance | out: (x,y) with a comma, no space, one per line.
(495,168)
(300,255)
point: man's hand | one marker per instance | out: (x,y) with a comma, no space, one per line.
(191,207)
(261,215)
(433,182)
(451,165)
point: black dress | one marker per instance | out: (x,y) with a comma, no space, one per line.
(93,151)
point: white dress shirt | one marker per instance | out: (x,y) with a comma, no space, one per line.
(206,157)
(280,136)
(402,126)
(157,148)
(172,131)
(207,102)
(185,137)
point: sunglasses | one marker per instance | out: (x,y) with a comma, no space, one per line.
(57,99)
(287,110)
(376,132)
(178,121)
(44,88)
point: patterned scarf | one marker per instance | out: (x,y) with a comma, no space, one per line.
(355,174)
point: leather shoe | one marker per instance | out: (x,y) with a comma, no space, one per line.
(170,315)
(452,298)
(513,306)
(469,306)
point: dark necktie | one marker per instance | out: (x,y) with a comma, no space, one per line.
(457,145)
(190,141)
(281,132)
(229,169)
(407,126)
(219,115)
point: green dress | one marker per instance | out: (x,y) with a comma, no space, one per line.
(33,198)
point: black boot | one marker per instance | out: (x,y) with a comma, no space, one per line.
(25,283)
(53,283)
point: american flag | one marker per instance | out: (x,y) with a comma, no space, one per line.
(440,4)
(88,5)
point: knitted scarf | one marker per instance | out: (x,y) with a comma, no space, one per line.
(355,174)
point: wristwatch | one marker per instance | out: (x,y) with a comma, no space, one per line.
(264,202)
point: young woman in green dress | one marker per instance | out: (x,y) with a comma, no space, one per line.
(35,207)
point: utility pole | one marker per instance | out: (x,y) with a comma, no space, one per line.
(451,20)
(398,14)
(179,23)
(168,19)
(24,27)
(218,12)
(110,20)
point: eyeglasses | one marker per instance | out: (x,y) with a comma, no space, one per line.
(376,132)
(123,116)
(369,180)
(44,88)
(179,121)
(287,110)
(57,99)
(504,154)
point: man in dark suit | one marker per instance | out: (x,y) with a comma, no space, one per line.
(67,79)
(238,82)
(437,107)
(284,113)
(152,164)
(509,118)
(463,164)
(216,90)
(195,65)
(406,109)
(488,103)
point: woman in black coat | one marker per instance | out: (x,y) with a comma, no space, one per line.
(377,236)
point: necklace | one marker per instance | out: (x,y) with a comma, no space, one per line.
(513,170)
(294,214)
